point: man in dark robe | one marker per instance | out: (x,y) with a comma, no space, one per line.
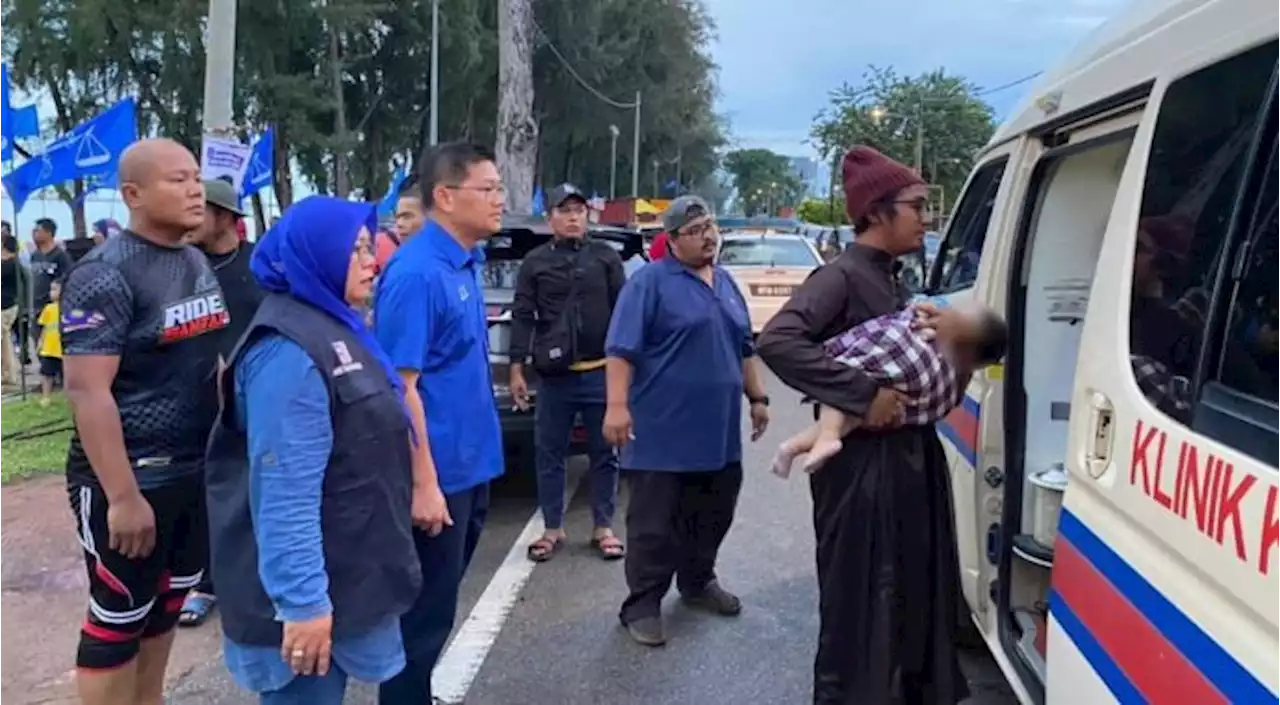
(882,506)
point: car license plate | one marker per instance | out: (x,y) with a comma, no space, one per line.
(772,289)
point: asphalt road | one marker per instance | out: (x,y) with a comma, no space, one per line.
(560,643)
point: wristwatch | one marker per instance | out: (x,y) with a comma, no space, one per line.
(759,400)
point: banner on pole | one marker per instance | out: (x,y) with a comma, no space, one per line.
(225,159)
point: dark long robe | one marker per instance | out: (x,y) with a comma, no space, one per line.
(887,566)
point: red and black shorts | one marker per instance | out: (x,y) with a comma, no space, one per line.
(134,599)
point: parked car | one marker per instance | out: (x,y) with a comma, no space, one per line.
(504,253)
(768,268)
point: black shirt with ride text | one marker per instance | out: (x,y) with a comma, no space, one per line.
(154,307)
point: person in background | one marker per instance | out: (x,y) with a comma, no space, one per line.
(138,366)
(886,546)
(680,360)
(50,350)
(49,263)
(308,472)
(565,293)
(429,316)
(410,216)
(103,229)
(229,256)
(14,291)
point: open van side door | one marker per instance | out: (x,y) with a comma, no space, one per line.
(966,269)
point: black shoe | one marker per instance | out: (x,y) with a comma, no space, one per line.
(714,598)
(646,631)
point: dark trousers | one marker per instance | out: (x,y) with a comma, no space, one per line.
(560,399)
(427,624)
(676,522)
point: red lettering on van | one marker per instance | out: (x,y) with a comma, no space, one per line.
(1270,533)
(1141,443)
(1229,508)
(1192,488)
(1156,492)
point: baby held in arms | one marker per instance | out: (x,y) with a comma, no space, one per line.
(928,367)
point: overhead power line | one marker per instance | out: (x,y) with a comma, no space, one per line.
(1010,84)
(577,76)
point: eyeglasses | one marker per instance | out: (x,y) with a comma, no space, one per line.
(920,205)
(492,191)
(703,229)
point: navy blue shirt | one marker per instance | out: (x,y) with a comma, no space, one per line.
(429,316)
(686,342)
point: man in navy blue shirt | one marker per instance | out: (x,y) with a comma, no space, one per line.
(680,358)
(429,316)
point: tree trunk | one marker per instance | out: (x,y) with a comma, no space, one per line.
(341,180)
(282,177)
(517,147)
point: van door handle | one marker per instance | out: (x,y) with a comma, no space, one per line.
(1099,435)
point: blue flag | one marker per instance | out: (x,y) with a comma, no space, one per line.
(387,205)
(90,151)
(26,121)
(539,205)
(6,116)
(261,171)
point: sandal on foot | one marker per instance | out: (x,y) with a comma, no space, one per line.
(196,609)
(544,549)
(610,547)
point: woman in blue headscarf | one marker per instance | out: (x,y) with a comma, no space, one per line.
(308,470)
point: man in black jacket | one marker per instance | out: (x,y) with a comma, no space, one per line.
(565,293)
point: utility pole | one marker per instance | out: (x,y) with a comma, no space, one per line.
(613,162)
(635,153)
(433,136)
(920,138)
(679,164)
(219,67)
(656,192)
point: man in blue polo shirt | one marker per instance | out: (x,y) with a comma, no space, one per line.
(680,358)
(429,316)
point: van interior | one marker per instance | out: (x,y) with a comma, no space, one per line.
(1053,269)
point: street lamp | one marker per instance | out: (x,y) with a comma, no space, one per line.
(613,161)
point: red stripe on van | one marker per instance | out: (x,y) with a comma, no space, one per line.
(1153,665)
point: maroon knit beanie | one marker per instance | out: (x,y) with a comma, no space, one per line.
(869,176)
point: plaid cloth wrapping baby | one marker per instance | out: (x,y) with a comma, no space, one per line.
(887,350)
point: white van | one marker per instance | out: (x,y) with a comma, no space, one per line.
(1115,481)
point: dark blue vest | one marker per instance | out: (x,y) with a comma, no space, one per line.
(365,507)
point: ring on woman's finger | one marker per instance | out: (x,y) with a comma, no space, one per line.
(298,653)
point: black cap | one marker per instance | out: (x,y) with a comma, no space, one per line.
(562,193)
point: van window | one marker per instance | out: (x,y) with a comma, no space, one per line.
(956,266)
(1206,122)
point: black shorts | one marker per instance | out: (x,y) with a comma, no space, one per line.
(134,599)
(50,367)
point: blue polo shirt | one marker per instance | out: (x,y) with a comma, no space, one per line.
(429,316)
(686,342)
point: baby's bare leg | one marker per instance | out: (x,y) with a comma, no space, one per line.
(793,446)
(832,426)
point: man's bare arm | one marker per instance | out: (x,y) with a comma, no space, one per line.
(424,466)
(617,381)
(88,380)
(752,383)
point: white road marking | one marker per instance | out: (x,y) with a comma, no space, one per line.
(465,654)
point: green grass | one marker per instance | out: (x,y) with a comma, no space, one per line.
(43,454)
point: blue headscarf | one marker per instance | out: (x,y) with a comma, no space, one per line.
(307,255)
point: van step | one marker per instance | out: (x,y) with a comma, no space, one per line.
(1026,547)
(1030,645)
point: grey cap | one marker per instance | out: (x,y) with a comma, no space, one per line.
(223,195)
(682,210)
(562,193)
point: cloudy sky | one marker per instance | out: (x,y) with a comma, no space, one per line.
(778,60)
